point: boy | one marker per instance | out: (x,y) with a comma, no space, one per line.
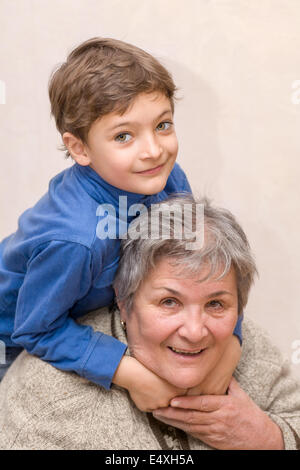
(113,105)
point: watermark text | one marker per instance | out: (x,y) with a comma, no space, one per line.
(2,352)
(2,92)
(295,98)
(296,354)
(167,221)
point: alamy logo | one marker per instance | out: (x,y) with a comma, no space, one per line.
(296,93)
(296,353)
(2,352)
(164,222)
(2,92)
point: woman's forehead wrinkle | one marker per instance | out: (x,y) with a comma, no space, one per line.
(172,291)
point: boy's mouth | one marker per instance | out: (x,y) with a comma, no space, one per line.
(151,171)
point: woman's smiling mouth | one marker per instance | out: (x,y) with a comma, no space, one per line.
(185,352)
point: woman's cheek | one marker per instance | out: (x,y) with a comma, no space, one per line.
(159,324)
(224,327)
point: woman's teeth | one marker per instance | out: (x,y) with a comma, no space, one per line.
(188,353)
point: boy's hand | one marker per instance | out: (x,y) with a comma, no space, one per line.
(147,390)
(218,380)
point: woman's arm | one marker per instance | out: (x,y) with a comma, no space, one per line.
(226,422)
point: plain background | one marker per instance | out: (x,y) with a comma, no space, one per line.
(235,62)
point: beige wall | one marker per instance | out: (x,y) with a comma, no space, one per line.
(236,63)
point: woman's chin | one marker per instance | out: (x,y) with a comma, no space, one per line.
(186,381)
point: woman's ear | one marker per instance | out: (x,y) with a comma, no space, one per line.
(121,307)
(122,310)
(76,148)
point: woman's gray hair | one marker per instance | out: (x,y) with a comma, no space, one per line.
(224,245)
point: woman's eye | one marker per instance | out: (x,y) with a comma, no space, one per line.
(123,137)
(215,305)
(164,126)
(169,303)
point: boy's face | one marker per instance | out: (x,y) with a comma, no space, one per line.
(135,151)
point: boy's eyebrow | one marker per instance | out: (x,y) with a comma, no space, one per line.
(126,123)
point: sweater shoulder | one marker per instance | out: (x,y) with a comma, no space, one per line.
(177,182)
(259,345)
(261,364)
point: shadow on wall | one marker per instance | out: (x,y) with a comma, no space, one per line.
(196,120)
(198,116)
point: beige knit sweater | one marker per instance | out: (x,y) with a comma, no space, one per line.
(42,407)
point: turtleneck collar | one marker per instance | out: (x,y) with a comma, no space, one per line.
(103,192)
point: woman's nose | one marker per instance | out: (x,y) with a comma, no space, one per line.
(150,147)
(194,327)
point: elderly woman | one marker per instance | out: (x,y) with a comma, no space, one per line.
(177,312)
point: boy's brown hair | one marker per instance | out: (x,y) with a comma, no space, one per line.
(100,76)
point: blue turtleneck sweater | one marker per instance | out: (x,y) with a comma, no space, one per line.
(55,268)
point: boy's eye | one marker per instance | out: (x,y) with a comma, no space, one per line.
(164,126)
(125,137)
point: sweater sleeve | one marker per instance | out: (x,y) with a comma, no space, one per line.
(57,277)
(267,377)
(284,406)
(238,328)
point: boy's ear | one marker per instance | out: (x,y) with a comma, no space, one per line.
(76,149)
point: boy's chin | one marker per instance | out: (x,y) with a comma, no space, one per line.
(155,187)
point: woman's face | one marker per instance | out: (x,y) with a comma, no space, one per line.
(179,327)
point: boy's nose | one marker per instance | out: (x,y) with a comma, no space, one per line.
(151,148)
